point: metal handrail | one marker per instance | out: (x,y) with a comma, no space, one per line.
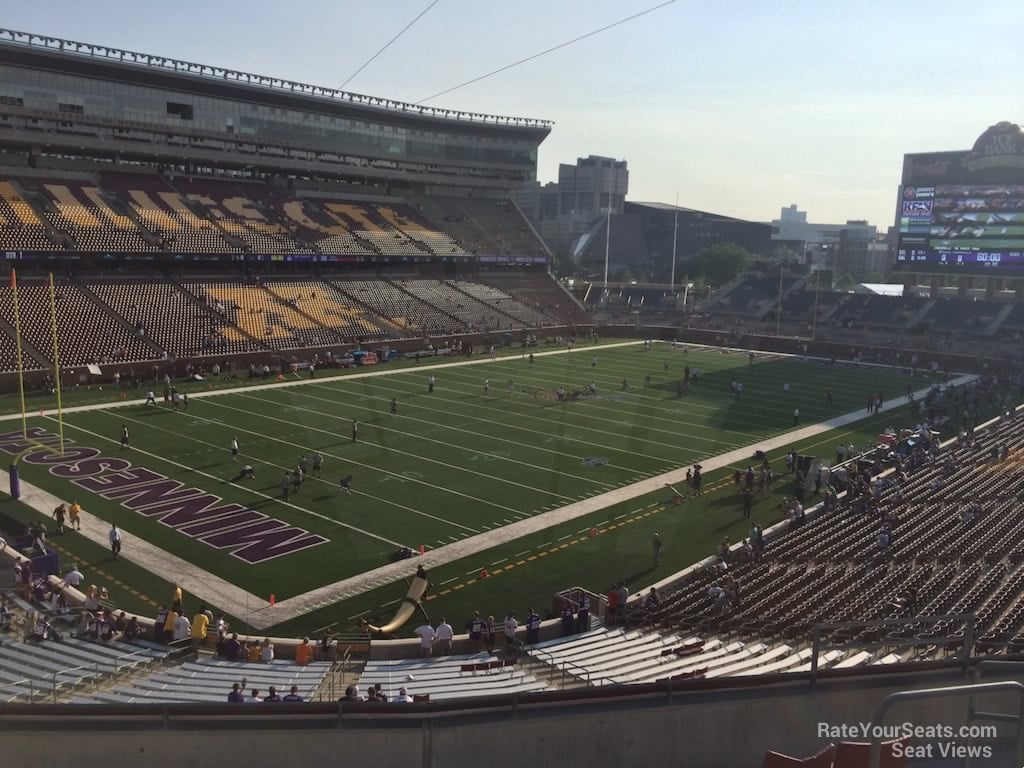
(54,675)
(562,666)
(962,690)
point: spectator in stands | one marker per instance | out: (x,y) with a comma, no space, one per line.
(132,630)
(612,597)
(475,628)
(254,697)
(169,623)
(304,652)
(425,632)
(583,614)
(403,697)
(266,651)
(292,696)
(568,620)
(352,694)
(272,697)
(231,648)
(74,577)
(236,696)
(489,631)
(444,635)
(182,628)
(200,628)
(532,627)
(252,651)
(510,629)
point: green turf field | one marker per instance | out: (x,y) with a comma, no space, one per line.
(468,458)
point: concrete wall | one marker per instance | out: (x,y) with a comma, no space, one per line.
(707,723)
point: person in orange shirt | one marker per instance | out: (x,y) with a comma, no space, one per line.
(304,652)
(75,515)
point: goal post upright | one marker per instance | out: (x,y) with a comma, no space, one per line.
(33,443)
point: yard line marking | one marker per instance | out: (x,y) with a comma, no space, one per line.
(594,444)
(449,581)
(173,463)
(454,538)
(520,554)
(404,453)
(490,437)
(597,403)
(545,544)
(390,602)
(308,478)
(563,538)
(499,562)
(619,517)
(361,613)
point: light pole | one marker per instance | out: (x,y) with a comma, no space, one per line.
(675,238)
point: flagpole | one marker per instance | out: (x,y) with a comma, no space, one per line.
(675,238)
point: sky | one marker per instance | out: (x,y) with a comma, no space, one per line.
(737,106)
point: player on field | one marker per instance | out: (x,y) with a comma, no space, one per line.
(828,397)
(318,464)
(785,387)
(394,406)
(286,482)
(184,401)
(346,483)
(487,386)
(150,398)
(297,478)
(304,464)
(234,449)
(124,435)
(430,384)
(355,430)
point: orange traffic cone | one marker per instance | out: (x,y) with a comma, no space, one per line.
(483,573)
(423,549)
(273,599)
(593,532)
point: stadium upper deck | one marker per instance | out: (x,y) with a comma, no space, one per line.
(64,103)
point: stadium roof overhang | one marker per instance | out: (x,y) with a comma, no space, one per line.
(115,65)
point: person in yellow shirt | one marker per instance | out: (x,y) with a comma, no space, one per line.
(200,626)
(176,602)
(169,622)
(75,515)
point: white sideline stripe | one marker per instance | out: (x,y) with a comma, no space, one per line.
(320,380)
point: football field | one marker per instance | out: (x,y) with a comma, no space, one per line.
(489,446)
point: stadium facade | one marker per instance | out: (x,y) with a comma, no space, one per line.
(67,100)
(960,217)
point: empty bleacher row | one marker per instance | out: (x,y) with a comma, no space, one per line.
(88,332)
(449,677)
(209,679)
(113,321)
(33,672)
(943,558)
(121,212)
